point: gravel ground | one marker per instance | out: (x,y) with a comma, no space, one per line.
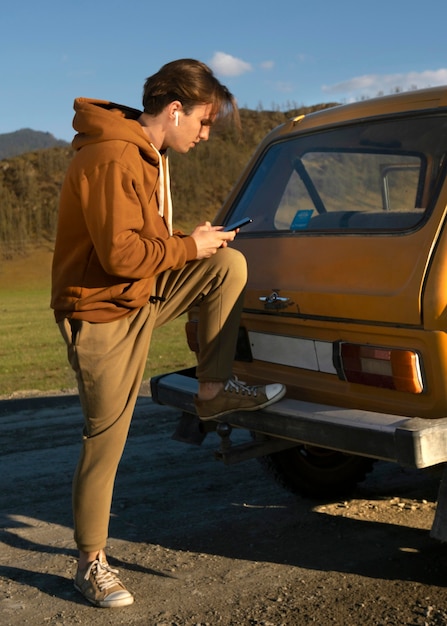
(200,543)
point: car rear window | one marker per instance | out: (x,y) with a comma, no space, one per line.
(371,176)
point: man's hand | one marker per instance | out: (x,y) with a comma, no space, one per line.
(210,238)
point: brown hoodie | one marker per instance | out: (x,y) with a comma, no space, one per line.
(113,236)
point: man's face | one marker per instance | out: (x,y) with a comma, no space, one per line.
(191,128)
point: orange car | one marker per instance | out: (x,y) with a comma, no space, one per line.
(347,295)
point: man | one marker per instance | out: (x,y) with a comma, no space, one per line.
(120,270)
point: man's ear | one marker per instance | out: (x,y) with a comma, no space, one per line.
(174,109)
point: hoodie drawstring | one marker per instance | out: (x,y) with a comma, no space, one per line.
(164,180)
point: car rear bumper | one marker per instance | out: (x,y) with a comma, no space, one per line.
(411,442)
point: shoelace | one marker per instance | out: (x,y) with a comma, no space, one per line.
(238,386)
(103,573)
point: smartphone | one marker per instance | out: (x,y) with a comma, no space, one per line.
(239,224)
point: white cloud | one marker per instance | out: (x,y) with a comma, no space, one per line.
(227,65)
(267,65)
(372,84)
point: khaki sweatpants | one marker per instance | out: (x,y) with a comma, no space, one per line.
(109,360)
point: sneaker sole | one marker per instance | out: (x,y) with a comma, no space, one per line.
(278,396)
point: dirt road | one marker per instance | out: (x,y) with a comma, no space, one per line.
(204,544)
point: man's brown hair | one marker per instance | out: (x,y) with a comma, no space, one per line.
(192,83)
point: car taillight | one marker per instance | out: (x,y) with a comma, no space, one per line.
(390,368)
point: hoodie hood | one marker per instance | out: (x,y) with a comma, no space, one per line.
(98,121)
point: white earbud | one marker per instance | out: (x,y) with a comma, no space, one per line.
(176,118)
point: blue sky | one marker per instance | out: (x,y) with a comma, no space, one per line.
(270,55)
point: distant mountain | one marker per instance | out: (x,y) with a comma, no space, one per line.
(27,140)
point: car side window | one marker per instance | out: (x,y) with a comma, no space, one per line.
(333,190)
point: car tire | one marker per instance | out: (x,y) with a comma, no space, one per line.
(315,472)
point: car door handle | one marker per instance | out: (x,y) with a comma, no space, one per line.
(274,300)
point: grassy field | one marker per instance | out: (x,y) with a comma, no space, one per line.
(32,352)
